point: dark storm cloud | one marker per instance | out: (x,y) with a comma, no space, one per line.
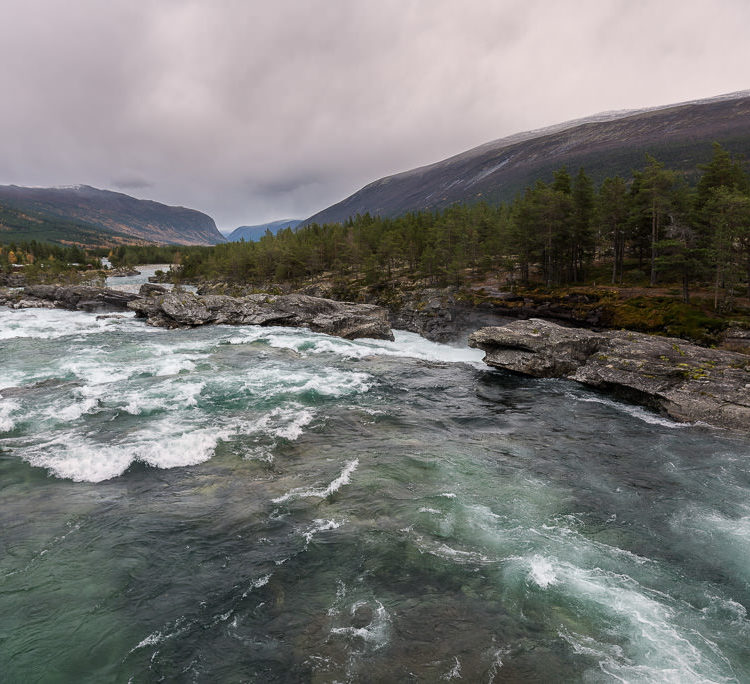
(253,110)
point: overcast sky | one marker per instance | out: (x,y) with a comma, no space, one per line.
(253,111)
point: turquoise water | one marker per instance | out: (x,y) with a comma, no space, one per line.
(272,505)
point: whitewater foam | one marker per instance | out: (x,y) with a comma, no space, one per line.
(51,324)
(636,411)
(405,344)
(7,409)
(454,672)
(320,525)
(326,382)
(71,455)
(257,584)
(648,625)
(302,493)
(167,396)
(541,572)
(375,635)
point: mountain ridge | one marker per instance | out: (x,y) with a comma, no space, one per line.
(256,232)
(115,212)
(607,143)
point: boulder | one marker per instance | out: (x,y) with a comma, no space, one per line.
(150,289)
(684,381)
(344,319)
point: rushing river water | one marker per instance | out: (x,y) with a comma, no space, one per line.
(231,504)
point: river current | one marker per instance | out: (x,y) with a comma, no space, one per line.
(242,504)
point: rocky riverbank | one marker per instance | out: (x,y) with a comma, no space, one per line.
(450,314)
(185,309)
(343,319)
(72,297)
(438,314)
(682,380)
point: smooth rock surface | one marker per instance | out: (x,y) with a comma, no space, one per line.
(682,380)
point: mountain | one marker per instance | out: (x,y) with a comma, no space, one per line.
(24,226)
(253,233)
(114,212)
(605,145)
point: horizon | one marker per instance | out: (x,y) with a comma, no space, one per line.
(539,132)
(209,114)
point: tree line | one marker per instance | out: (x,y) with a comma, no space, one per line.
(35,254)
(652,228)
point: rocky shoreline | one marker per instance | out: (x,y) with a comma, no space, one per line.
(170,309)
(343,319)
(72,297)
(684,381)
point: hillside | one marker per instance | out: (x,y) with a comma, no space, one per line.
(256,232)
(25,226)
(114,212)
(606,145)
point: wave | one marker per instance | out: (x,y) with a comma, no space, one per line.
(50,324)
(7,409)
(635,411)
(73,456)
(405,344)
(302,493)
(652,637)
(324,382)
(320,525)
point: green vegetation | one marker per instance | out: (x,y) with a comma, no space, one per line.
(132,255)
(666,315)
(18,225)
(653,229)
(44,262)
(660,251)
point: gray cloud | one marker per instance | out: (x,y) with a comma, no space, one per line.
(131,183)
(251,110)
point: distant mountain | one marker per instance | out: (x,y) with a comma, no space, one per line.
(605,145)
(253,233)
(114,212)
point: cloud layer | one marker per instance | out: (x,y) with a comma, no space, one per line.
(251,111)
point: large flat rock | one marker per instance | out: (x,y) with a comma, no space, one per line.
(684,381)
(72,297)
(343,319)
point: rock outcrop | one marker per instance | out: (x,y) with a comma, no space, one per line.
(684,381)
(73,297)
(170,309)
(151,289)
(12,279)
(343,319)
(124,272)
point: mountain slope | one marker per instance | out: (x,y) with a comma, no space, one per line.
(253,233)
(142,220)
(605,145)
(24,226)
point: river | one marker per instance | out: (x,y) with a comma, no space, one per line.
(242,504)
